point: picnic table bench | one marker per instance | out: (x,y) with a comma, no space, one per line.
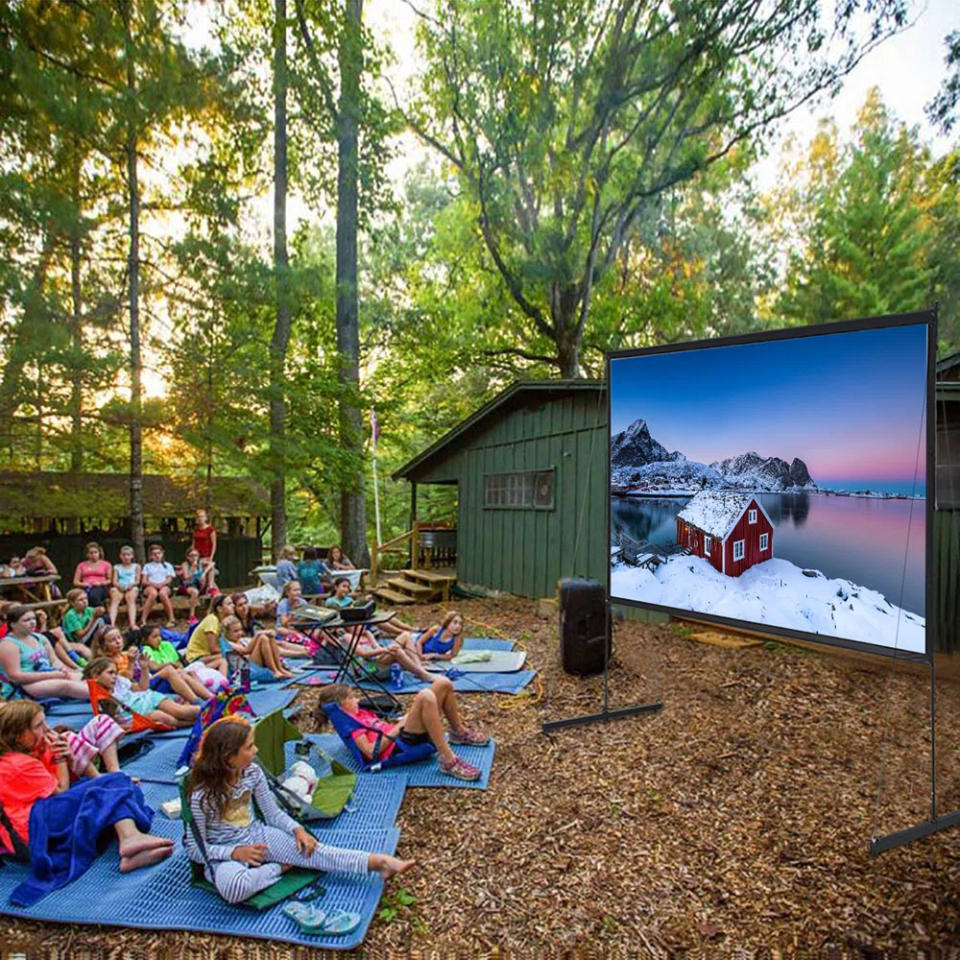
(37,589)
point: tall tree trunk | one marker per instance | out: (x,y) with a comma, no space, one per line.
(353,514)
(133,271)
(76,335)
(281,330)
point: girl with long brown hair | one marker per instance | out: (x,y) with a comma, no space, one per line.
(241,855)
(35,784)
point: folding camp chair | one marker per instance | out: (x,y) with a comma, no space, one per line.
(290,883)
(346,726)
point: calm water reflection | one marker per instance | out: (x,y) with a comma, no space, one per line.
(858,539)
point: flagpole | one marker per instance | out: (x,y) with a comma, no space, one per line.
(376,488)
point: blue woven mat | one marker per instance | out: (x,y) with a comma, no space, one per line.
(160,761)
(468,683)
(162,898)
(73,712)
(265,700)
(426,773)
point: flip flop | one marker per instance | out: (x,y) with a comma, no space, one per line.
(316,922)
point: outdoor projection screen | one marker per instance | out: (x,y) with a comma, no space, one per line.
(780,482)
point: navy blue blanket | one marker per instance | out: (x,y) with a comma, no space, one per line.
(66,830)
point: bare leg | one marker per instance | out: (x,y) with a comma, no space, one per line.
(71,689)
(177,681)
(447,702)
(167,603)
(409,662)
(291,649)
(149,598)
(181,712)
(82,649)
(424,717)
(131,598)
(111,763)
(193,595)
(115,597)
(196,685)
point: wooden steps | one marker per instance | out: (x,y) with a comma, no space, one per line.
(392,597)
(415,586)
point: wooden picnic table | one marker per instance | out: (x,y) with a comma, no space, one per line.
(37,589)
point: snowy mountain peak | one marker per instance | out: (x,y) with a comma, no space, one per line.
(750,471)
(634,447)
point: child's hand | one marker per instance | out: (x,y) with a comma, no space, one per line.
(306,842)
(252,853)
(58,745)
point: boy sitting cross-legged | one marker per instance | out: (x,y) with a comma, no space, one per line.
(420,723)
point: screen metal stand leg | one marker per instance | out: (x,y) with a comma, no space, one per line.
(606,713)
(935,824)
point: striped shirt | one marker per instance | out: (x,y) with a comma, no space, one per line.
(221,834)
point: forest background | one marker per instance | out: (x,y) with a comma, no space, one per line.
(232,230)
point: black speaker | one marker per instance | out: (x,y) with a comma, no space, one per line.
(583,626)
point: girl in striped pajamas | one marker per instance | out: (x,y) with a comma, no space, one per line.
(240,854)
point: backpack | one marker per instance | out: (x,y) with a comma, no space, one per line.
(224,704)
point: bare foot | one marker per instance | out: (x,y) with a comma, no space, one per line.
(391,866)
(131,846)
(144,858)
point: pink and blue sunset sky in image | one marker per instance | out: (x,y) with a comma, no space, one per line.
(850,405)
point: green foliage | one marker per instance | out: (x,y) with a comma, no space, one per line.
(567,121)
(395,903)
(872,226)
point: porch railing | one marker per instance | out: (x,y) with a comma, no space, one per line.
(424,543)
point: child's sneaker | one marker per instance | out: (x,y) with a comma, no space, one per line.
(469,738)
(460,769)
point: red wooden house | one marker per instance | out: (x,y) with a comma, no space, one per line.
(730,530)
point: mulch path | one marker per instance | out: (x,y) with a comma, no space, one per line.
(734,822)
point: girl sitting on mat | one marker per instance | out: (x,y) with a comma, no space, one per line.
(36,764)
(135,665)
(241,855)
(152,704)
(440,641)
(96,740)
(160,657)
(28,662)
(290,602)
(420,723)
(266,661)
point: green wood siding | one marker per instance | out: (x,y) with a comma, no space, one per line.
(526,551)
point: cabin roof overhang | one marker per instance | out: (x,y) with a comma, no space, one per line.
(516,395)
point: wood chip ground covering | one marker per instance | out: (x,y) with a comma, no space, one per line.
(735,822)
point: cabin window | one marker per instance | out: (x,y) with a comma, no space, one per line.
(738,550)
(752,516)
(529,490)
(764,541)
(706,545)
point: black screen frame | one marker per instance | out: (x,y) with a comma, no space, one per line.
(928,317)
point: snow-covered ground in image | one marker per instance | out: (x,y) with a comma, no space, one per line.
(778,593)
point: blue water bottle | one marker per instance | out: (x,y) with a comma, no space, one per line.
(396,676)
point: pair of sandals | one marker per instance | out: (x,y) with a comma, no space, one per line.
(315,922)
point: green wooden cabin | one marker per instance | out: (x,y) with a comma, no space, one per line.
(62,512)
(530,471)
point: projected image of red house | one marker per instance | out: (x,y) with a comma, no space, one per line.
(731,531)
(778,480)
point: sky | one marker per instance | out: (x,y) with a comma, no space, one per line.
(850,405)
